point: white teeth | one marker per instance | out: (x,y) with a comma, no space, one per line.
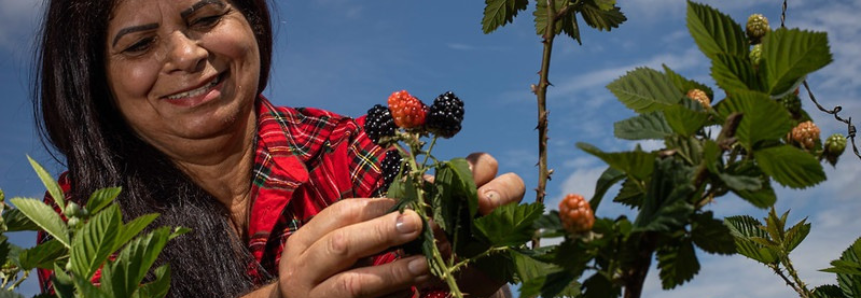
(196,92)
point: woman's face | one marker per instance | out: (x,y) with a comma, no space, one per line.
(182,70)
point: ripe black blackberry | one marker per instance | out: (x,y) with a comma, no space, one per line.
(379,123)
(391,167)
(445,116)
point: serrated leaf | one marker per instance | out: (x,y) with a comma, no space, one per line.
(159,287)
(637,164)
(132,229)
(549,225)
(677,264)
(567,23)
(715,32)
(53,188)
(497,13)
(63,285)
(608,178)
(603,4)
(631,194)
(828,291)
(602,16)
(553,284)
(690,148)
(746,180)
(744,228)
(101,198)
(645,90)
(711,235)
(650,126)
(763,120)
(94,242)
(42,256)
(135,260)
(16,221)
(796,234)
(788,55)
(510,225)
(734,73)
(684,85)
(790,166)
(405,193)
(666,207)
(87,289)
(599,286)
(684,121)
(45,217)
(849,283)
(465,184)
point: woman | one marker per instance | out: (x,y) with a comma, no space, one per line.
(163,99)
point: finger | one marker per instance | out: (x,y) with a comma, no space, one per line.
(340,249)
(483,166)
(375,281)
(507,188)
(338,215)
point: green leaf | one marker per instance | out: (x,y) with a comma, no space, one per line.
(744,228)
(746,180)
(567,23)
(132,229)
(603,4)
(631,194)
(510,225)
(796,234)
(689,148)
(666,207)
(16,221)
(850,261)
(602,16)
(734,73)
(828,291)
(637,164)
(9,294)
(711,235)
(608,178)
(45,217)
(651,126)
(763,120)
(87,289)
(405,192)
(549,225)
(790,166)
(599,286)
(645,90)
(684,85)
(788,55)
(94,242)
(42,256)
(53,188)
(464,183)
(715,32)
(101,198)
(684,121)
(553,284)
(135,260)
(159,287)
(497,13)
(677,264)
(62,282)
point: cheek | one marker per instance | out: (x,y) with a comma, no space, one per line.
(132,81)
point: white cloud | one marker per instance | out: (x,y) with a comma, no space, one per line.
(17,22)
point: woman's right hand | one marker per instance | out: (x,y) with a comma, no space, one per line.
(319,259)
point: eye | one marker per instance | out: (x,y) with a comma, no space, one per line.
(207,22)
(140,46)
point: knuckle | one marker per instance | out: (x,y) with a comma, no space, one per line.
(339,242)
(351,284)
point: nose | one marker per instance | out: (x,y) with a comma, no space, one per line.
(184,54)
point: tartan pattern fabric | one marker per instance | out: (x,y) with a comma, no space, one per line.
(305,160)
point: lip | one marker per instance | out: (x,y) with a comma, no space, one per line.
(209,94)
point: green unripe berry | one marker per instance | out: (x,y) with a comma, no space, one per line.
(757,27)
(835,144)
(73,210)
(756,55)
(74,222)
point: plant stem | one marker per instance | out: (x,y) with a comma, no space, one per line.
(802,287)
(541,94)
(789,283)
(635,276)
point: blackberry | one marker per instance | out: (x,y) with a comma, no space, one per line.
(446,114)
(391,168)
(379,124)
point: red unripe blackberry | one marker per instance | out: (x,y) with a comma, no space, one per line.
(446,115)
(806,134)
(407,111)
(576,214)
(700,96)
(379,123)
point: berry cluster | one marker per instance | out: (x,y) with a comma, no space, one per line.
(576,214)
(701,97)
(806,134)
(443,118)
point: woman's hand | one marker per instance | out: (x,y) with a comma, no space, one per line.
(318,260)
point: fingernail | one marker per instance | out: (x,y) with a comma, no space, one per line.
(418,266)
(492,197)
(404,226)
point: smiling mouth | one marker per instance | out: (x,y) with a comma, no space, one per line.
(195,92)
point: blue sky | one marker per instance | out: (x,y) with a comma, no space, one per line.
(347,56)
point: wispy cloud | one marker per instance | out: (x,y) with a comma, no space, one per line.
(17,23)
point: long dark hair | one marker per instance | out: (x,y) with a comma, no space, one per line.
(75,113)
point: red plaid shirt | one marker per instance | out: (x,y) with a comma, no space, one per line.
(305,160)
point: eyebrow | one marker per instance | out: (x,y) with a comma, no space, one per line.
(183,14)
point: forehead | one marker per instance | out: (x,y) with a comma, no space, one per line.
(129,10)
